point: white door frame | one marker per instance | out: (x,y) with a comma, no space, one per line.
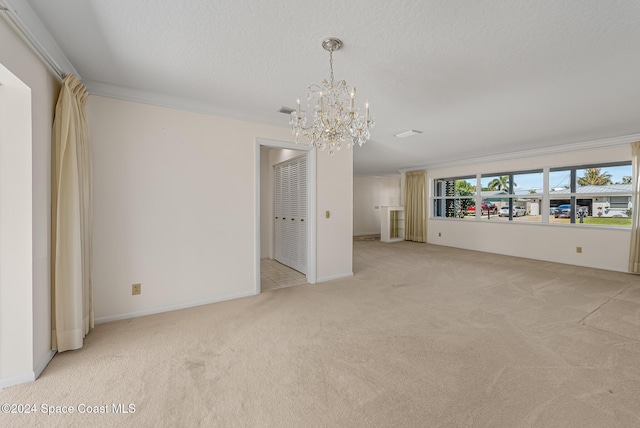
(311,206)
(16,232)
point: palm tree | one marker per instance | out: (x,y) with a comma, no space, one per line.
(593,176)
(464,188)
(500,183)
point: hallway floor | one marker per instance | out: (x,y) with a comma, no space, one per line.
(274,274)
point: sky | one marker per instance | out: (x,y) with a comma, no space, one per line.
(557,179)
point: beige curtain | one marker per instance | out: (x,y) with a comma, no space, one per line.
(415,206)
(634,251)
(71,289)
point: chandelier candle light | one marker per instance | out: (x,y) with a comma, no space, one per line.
(336,122)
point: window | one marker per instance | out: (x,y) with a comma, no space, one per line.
(516,195)
(454,196)
(598,194)
(622,202)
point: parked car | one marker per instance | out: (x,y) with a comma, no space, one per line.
(517,211)
(564,211)
(487,208)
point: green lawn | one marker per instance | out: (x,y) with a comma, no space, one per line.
(607,221)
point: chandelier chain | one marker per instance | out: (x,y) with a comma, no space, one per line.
(331,64)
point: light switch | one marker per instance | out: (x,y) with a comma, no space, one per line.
(327,214)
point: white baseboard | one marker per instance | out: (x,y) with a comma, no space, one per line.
(30,376)
(44,362)
(332,277)
(129,315)
(17,380)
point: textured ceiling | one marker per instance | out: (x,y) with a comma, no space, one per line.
(479,78)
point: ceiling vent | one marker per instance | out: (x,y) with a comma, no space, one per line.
(286,110)
(409,133)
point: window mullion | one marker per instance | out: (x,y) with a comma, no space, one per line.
(572,187)
(478,196)
(546,200)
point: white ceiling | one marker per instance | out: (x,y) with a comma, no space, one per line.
(479,78)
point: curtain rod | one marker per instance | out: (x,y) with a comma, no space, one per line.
(21,18)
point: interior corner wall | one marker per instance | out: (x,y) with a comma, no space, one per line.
(18,58)
(602,247)
(369,194)
(174,207)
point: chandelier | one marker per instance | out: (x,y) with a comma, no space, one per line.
(336,122)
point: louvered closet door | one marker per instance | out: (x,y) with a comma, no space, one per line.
(291,213)
(279,214)
(286,203)
(300,259)
(294,213)
(281,228)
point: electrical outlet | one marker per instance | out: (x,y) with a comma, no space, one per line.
(136,289)
(579,250)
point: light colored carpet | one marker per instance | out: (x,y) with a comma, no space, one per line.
(421,336)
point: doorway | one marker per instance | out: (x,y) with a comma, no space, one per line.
(265,212)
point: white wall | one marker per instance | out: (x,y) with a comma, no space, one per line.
(16,324)
(269,157)
(174,207)
(369,194)
(335,234)
(602,247)
(266,205)
(19,59)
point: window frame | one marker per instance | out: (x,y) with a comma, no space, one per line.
(545,197)
(440,202)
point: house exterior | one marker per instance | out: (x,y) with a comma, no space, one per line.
(614,198)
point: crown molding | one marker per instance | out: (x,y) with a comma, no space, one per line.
(162,100)
(148,97)
(542,151)
(31,29)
